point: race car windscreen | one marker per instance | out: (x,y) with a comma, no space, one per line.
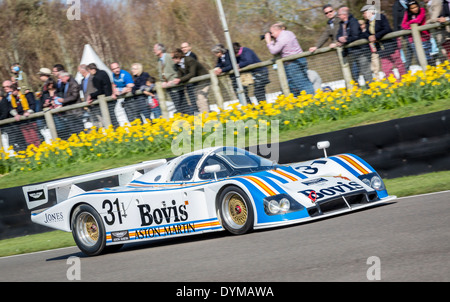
(234,161)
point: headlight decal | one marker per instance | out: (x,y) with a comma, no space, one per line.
(281,204)
(374,181)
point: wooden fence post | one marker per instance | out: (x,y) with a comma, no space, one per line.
(162,99)
(418,45)
(216,89)
(345,66)
(282,77)
(106,118)
(51,124)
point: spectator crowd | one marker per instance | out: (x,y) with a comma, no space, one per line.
(59,88)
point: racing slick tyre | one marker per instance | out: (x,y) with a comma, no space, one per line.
(88,230)
(235,210)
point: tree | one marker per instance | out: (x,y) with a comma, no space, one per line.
(37,33)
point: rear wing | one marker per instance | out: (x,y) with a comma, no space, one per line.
(37,195)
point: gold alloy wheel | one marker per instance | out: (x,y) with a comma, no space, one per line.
(92,228)
(237,209)
(87,229)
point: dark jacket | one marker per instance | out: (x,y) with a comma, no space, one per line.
(398,12)
(71,92)
(445,8)
(4,107)
(102,83)
(248,57)
(192,68)
(224,63)
(139,81)
(35,104)
(353,33)
(193,55)
(382,28)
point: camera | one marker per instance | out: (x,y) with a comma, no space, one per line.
(264,36)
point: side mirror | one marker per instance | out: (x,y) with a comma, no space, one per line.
(323,146)
(212,169)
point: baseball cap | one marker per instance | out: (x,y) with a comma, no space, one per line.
(45,71)
(368,7)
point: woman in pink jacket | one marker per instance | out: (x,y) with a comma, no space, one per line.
(417,15)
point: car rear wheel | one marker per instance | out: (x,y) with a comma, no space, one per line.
(235,210)
(88,230)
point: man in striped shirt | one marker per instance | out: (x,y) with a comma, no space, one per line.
(285,43)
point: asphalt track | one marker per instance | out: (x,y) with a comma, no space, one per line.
(405,240)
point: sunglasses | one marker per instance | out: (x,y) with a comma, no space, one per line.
(328,12)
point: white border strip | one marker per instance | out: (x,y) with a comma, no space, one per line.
(426,194)
(40,252)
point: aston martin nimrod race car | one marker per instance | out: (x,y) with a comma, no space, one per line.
(214,189)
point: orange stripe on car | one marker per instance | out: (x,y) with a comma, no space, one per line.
(262,185)
(355,164)
(285,175)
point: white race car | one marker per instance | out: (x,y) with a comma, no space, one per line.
(214,189)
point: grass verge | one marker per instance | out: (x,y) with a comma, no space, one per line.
(35,243)
(404,186)
(419,184)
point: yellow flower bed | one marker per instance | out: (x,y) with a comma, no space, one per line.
(291,112)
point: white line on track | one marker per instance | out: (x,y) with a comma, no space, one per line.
(423,195)
(27,254)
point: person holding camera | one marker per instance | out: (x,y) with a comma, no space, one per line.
(284,43)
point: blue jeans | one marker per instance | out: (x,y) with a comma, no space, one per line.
(296,73)
(156,112)
(426,47)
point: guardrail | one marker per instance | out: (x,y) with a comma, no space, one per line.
(106,111)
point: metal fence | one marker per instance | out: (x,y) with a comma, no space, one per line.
(327,69)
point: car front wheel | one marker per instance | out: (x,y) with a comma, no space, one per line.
(235,210)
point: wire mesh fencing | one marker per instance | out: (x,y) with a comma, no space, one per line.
(191,98)
(440,44)
(326,69)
